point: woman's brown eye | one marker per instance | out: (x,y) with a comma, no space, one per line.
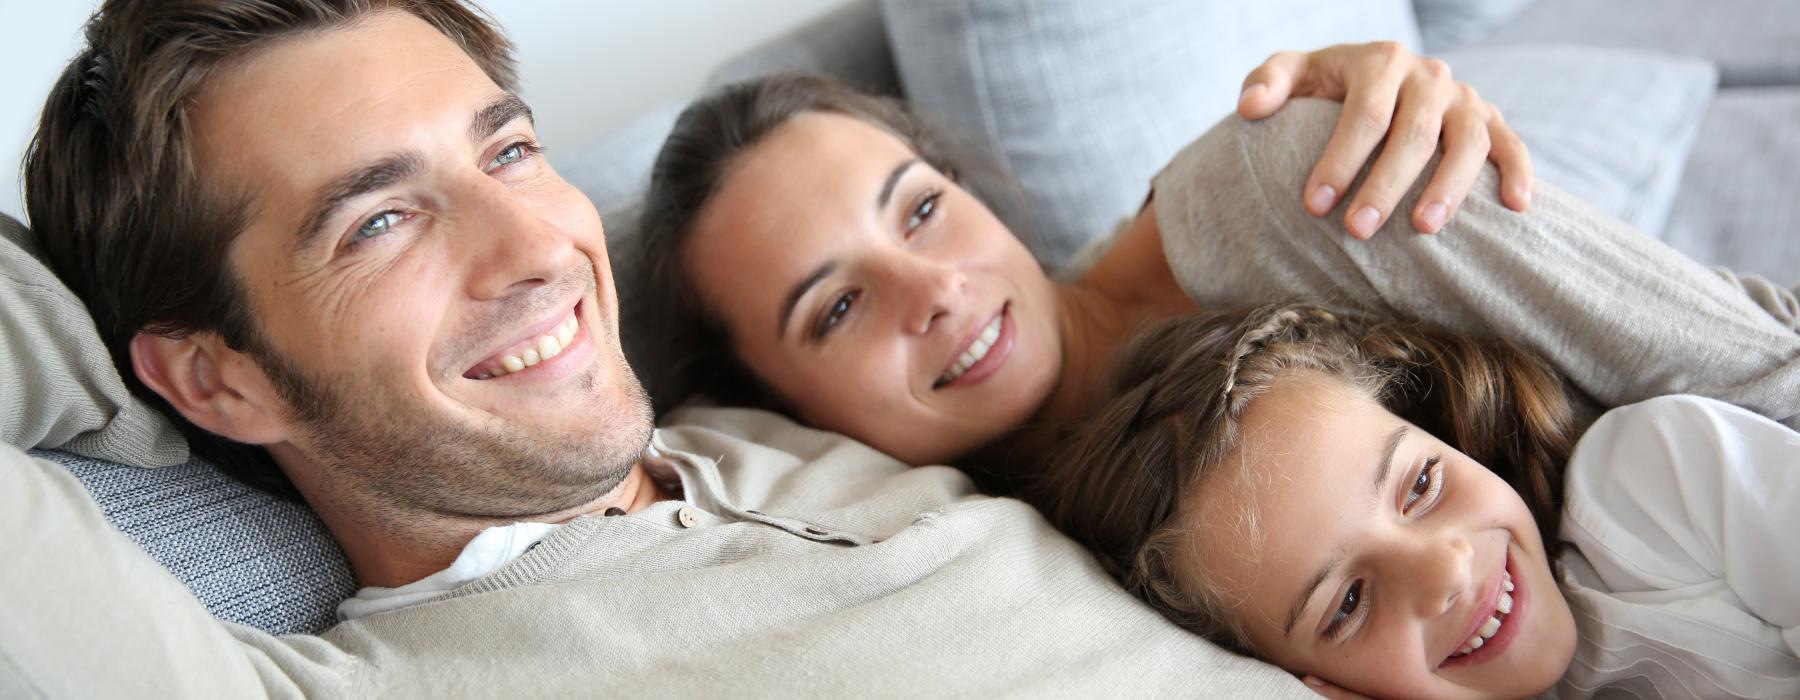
(923,212)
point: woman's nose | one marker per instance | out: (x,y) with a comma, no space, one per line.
(932,290)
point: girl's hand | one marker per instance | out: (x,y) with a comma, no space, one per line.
(1388,92)
(1326,689)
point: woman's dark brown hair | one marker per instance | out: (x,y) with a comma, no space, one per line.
(690,351)
(1120,482)
(122,210)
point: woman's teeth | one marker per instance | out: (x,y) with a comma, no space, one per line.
(977,350)
(1491,626)
(545,347)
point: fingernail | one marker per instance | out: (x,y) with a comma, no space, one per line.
(1251,90)
(1435,216)
(1525,196)
(1364,221)
(1321,200)
(1314,681)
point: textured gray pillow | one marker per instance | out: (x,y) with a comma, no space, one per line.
(58,386)
(250,558)
(1610,126)
(1447,24)
(1084,101)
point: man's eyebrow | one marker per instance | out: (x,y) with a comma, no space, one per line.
(799,290)
(502,111)
(893,179)
(390,169)
(1382,470)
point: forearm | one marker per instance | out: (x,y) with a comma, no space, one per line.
(1621,315)
(86,613)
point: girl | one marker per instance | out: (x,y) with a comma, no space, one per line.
(811,249)
(1310,488)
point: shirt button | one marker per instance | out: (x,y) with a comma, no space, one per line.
(687,517)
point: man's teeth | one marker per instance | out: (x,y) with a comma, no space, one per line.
(545,347)
(977,350)
(1491,626)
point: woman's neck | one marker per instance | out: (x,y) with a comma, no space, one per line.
(1094,321)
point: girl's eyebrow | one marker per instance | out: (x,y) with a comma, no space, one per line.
(1383,469)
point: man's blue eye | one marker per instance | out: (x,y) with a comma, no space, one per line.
(512,154)
(378,225)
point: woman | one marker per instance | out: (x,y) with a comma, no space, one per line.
(817,253)
(1377,507)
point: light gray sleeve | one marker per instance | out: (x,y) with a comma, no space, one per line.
(85,613)
(1621,315)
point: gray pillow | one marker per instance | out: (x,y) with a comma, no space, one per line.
(58,385)
(1084,101)
(1610,126)
(1447,24)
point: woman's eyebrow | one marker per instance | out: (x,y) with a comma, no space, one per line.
(799,290)
(893,180)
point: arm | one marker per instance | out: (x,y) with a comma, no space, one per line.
(1622,316)
(86,613)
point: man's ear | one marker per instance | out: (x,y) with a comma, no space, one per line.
(219,389)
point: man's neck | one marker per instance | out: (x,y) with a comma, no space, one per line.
(389,551)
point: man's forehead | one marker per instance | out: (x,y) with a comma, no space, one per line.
(290,116)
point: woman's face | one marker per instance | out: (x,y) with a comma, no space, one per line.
(876,296)
(1379,555)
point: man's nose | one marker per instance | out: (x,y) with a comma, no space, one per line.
(931,292)
(507,247)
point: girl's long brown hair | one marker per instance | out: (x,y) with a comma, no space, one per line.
(1179,392)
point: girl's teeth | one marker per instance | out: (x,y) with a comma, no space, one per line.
(1489,627)
(1506,603)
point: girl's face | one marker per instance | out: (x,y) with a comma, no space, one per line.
(1378,556)
(875,295)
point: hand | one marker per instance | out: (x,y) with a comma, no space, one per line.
(1388,92)
(1326,689)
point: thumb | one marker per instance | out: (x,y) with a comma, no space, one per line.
(1268,87)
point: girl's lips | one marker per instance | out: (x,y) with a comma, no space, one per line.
(1497,644)
(996,355)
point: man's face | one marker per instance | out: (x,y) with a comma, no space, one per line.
(407,255)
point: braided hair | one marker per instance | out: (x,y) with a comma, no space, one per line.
(1179,393)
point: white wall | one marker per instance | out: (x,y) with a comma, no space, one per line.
(587,65)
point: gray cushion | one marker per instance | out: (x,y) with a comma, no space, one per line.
(849,44)
(1084,101)
(248,557)
(58,385)
(1737,205)
(1611,126)
(1447,24)
(1753,42)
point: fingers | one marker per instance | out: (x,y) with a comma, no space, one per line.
(1465,141)
(1413,138)
(1368,112)
(1268,87)
(1516,177)
(1326,689)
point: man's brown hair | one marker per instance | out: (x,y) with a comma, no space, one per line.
(119,204)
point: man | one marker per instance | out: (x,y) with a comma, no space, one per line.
(380,284)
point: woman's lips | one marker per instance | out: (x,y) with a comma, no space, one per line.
(997,354)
